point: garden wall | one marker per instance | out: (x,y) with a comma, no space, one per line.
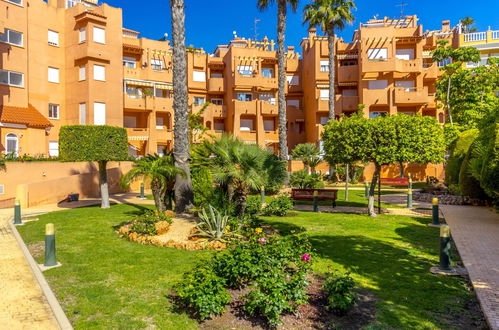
(36,183)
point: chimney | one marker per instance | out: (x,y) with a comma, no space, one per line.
(312,32)
(446,26)
(291,49)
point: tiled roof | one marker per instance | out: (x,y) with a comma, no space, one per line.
(26,116)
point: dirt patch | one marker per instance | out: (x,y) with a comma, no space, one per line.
(37,249)
(309,316)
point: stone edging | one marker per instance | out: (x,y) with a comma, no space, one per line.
(59,314)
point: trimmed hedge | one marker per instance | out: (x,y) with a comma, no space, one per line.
(458,153)
(81,143)
(468,185)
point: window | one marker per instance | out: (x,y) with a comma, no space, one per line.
(12,37)
(348,63)
(161,93)
(11,78)
(133,92)
(199,76)
(129,121)
(324,94)
(53,75)
(324,66)
(53,38)
(160,150)
(82,35)
(83,113)
(269,124)
(270,98)
(444,62)
(99,35)
(12,144)
(17,2)
(349,92)
(217,101)
(377,54)
(99,72)
(2,189)
(324,120)
(244,97)
(219,125)
(293,103)
(199,100)
(268,72)
(156,65)
(160,123)
(378,84)
(129,62)
(53,149)
(83,72)
(407,85)
(404,54)
(245,70)
(376,114)
(70,3)
(293,80)
(246,125)
(99,113)
(54,111)
(216,75)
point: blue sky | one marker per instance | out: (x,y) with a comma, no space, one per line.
(209,23)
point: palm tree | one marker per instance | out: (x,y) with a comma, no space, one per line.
(183,184)
(467,23)
(330,15)
(161,171)
(281,67)
(309,154)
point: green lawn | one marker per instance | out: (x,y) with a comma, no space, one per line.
(107,282)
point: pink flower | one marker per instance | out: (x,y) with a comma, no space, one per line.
(305,257)
(262,240)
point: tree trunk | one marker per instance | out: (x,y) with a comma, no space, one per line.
(168,196)
(281,79)
(374,181)
(157,194)
(104,189)
(240,196)
(401,164)
(332,70)
(183,184)
(347,179)
(448,100)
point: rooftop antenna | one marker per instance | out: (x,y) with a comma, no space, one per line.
(255,28)
(402,5)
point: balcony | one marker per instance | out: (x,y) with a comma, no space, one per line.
(212,111)
(267,108)
(271,136)
(247,135)
(91,50)
(348,73)
(408,65)
(241,81)
(138,102)
(245,107)
(138,134)
(430,72)
(411,95)
(376,96)
(216,85)
(479,38)
(349,103)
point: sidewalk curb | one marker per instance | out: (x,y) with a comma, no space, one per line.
(59,314)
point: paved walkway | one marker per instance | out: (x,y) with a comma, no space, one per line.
(475,231)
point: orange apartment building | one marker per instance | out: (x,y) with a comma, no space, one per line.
(72,62)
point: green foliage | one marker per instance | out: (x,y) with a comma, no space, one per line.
(213,225)
(81,143)
(340,294)
(253,205)
(330,15)
(203,291)
(202,185)
(145,224)
(301,179)
(468,185)
(278,206)
(308,153)
(355,173)
(458,151)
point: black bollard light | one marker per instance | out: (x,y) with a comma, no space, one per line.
(316,205)
(17,213)
(445,247)
(50,259)
(435,215)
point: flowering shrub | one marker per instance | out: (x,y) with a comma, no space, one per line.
(146,224)
(339,291)
(203,292)
(279,206)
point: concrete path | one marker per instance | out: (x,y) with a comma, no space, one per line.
(475,231)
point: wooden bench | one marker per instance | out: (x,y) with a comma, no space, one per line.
(395,182)
(329,195)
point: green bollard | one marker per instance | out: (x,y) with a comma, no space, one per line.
(262,194)
(316,205)
(410,182)
(435,217)
(409,198)
(142,191)
(50,259)
(445,247)
(17,213)
(366,189)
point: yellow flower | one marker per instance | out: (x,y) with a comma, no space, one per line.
(227,228)
(258,230)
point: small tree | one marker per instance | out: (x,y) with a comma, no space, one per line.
(308,153)
(357,139)
(86,143)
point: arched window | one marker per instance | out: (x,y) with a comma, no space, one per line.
(12,144)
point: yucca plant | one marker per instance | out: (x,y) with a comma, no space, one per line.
(212,225)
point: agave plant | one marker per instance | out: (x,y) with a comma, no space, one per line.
(212,225)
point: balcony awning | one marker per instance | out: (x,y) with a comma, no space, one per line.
(249,142)
(347,56)
(322,86)
(163,86)
(139,83)
(349,83)
(138,138)
(271,141)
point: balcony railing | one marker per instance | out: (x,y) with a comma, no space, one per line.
(477,36)
(495,35)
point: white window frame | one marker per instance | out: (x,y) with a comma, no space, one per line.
(51,71)
(324,66)
(82,73)
(12,137)
(9,78)
(268,70)
(196,100)
(129,62)
(244,99)
(53,38)
(377,54)
(156,64)
(199,76)
(7,34)
(82,109)
(407,85)
(133,92)
(15,3)
(99,35)
(82,35)
(324,94)
(99,72)
(245,70)
(53,152)
(405,54)
(267,97)
(99,117)
(57,108)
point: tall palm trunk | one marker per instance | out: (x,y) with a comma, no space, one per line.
(281,79)
(183,184)
(240,196)
(332,72)
(448,100)
(104,189)
(157,194)
(374,181)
